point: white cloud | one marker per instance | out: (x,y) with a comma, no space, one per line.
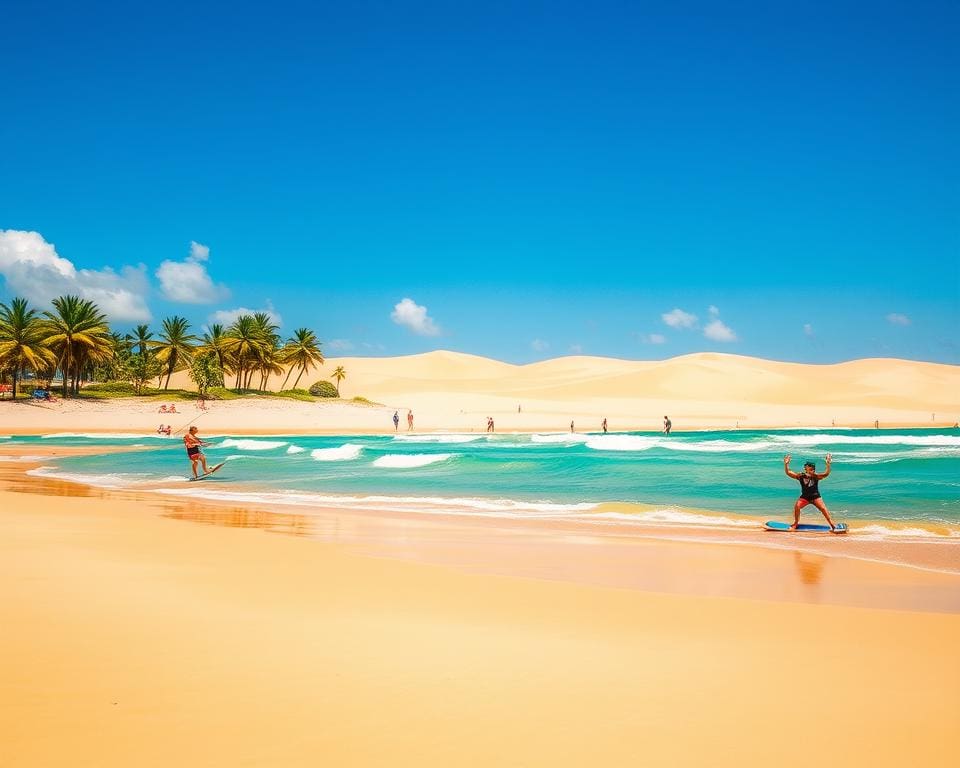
(714,312)
(32,269)
(539,345)
(339,345)
(653,338)
(897,319)
(187,282)
(716,330)
(808,329)
(229,316)
(576,349)
(677,318)
(413,316)
(198,251)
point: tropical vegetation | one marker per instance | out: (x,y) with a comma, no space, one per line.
(72,344)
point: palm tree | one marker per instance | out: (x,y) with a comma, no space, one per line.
(78,334)
(140,338)
(339,374)
(21,340)
(302,351)
(215,342)
(267,354)
(174,347)
(243,342)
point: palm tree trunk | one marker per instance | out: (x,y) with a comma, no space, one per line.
(286,379)
(64,375)
(302,371)
(338,388)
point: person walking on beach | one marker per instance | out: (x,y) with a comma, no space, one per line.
(667,425)
(809,489)
(193,445)
(604,425)
(571,426)
(409,420)
(396,420)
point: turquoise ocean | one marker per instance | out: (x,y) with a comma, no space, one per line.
(890,482)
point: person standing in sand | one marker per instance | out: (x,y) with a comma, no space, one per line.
(193,445)
(409,420)
(396,420)
(604,425)
(667,425)
(809,489)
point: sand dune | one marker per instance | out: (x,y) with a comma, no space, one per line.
(451,390)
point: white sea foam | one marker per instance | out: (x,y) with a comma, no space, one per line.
(423,504)
(561,437)
(885,532)
(295,449)
(824,439)
(439,438)
(345,452)
(244,444)
(669,516)
(622,443)
(887,457)
(410,460)
(644,443)
(111,480)
(12,459)
(105,436)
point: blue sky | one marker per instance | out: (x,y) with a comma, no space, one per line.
(516,180)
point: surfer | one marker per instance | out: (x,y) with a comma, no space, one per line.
(809,490)
(193,445)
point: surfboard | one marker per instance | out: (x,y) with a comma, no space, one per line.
(205,476)
(776,525)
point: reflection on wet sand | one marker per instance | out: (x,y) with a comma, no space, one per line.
(240,517)
(809,567)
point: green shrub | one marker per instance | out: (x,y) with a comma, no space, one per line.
(111,388)
(363,401)
(219,393)
(295,394)
(323,389)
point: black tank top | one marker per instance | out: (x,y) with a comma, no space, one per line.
(809,487)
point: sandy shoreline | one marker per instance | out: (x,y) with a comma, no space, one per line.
(217,646)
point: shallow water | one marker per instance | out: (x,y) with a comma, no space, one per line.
(898,482)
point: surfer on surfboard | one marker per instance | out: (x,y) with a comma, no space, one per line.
(193,445)
(809,489)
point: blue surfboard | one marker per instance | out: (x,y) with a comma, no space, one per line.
(776,525)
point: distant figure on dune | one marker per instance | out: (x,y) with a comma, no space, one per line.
(409,420)
(809,489)
(396,421)
(876,424)
(571,426)
(604,426)
(489,424)
(667,425)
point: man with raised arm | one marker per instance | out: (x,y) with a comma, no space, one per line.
(809,489)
